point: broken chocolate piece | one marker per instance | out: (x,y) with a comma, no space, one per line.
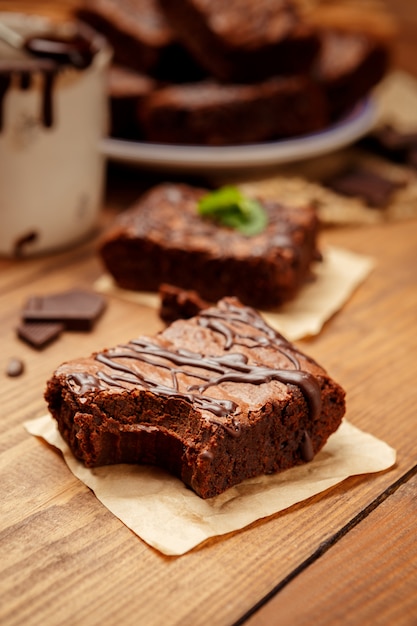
(177,303)
(77,309)
(375,190)
(390,143)
(15,367)
(39,334)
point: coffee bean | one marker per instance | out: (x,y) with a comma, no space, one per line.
(15,367)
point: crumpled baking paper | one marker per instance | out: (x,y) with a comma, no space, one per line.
(337,276)
(173,519)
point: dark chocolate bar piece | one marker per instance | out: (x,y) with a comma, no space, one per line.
(77,309)
(374,189)
(214,400)
(39,334)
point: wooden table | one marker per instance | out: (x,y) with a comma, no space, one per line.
(347,556)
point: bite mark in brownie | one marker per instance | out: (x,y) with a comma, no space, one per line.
(215,399)
(163,239)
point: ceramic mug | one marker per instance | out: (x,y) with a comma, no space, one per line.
(52,119)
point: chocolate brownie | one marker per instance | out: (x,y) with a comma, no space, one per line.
(214,400)
(126,89)
(391,143)
(164,239)
(361,182)
(136,29)
(211,113)
(349,65)
(244,40)
(77,309)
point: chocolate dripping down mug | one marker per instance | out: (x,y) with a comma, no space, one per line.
(53,115)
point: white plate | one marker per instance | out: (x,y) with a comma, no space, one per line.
(204,158)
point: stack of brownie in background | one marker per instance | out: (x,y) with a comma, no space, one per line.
(206,72)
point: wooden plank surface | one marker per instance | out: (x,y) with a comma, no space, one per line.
(368,577)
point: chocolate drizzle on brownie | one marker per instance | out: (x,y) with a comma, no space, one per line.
(210,370)
(254,374)
(177,362)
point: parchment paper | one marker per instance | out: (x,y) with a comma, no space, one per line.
(337,276)
(173,519)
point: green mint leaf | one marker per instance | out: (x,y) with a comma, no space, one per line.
(229,207)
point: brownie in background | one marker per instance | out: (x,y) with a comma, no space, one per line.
(163,239)
(244,40)
(141,37)
(127,89)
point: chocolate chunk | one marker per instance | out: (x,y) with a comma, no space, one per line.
(375,190)
(177,303)
(15,367)
(306,448)
(76,309)
(390,143)
(39,334)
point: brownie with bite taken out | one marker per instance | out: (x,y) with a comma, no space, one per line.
(215,399)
